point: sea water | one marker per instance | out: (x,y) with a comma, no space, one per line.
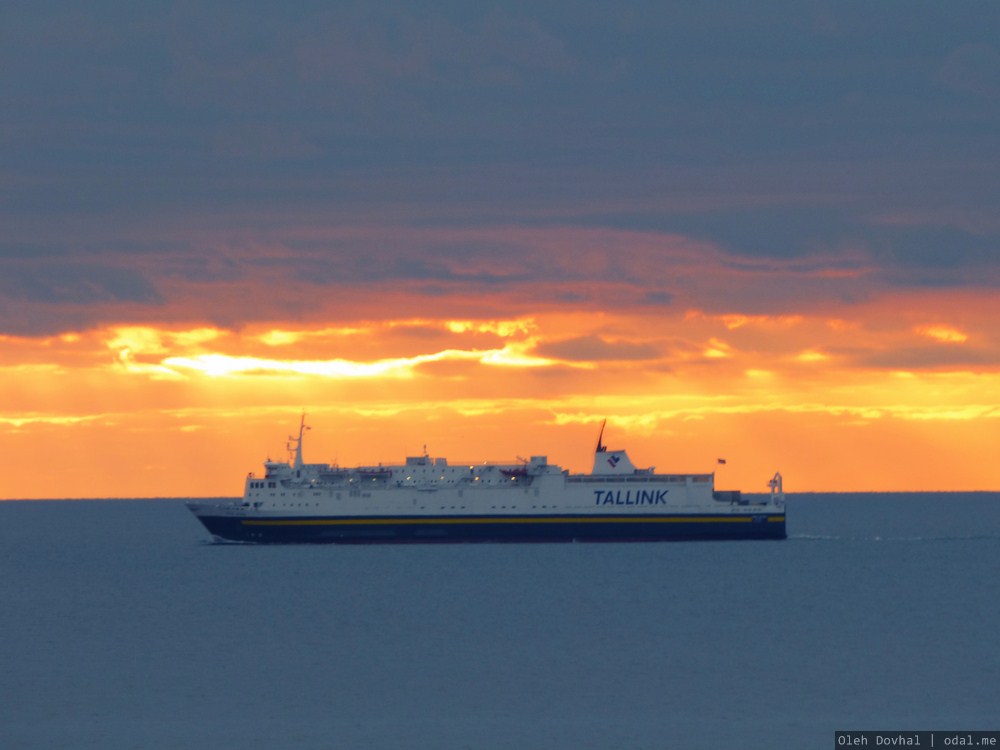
(122,626)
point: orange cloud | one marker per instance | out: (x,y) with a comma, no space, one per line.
(160,410)
(943,333)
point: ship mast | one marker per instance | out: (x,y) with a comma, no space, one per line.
(600,446)
(297,441)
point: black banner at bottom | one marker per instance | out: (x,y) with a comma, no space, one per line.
(924,739)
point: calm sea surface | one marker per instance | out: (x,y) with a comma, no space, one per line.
(121,626)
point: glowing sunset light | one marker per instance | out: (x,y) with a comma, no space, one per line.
(281,338)
(812,355)
(134,341)
(734,321)
(943,333)
(216,365)
(717,349)
(158,371)
(503,328)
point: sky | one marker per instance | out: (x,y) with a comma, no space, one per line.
(761,232)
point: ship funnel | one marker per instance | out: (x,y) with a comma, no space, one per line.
(612,462)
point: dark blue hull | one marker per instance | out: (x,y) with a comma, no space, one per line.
(421,529)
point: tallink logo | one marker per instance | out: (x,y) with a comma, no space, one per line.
(630,497)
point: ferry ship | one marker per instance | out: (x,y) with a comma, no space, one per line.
(426,499)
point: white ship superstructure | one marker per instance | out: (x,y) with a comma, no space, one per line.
(428,499)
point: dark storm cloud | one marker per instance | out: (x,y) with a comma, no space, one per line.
(78,283)
(782,134)
(928,358)
(938,257)
(445,85)
(597,349)
(55,275)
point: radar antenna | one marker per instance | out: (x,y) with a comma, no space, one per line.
(777,490)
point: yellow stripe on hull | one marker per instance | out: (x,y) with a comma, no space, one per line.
(497,519)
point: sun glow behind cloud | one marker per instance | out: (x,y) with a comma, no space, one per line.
(836,404)
(218,365)
(151,350)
